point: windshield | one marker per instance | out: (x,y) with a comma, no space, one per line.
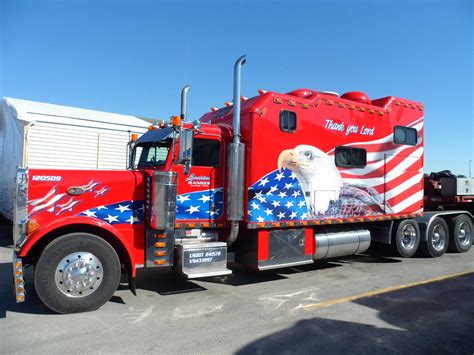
(154,154)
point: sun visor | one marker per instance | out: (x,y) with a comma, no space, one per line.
(156,135)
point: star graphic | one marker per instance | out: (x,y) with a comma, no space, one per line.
(264,181)
(301,203)
(281,215)
(182,198)
(280,176)
(260,219)
(289,204)
(296,193)
(255,206)
(132,220)
(282,194)
(101,208)
(192,209)
(268,212)
(293,215)
(111,219)
(288,186)
(205,198)
(273,188)
(122,209)
(89,213)
(276,203)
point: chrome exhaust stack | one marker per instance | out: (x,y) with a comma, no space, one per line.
(184,102)
(236,161)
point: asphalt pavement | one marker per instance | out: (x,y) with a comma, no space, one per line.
(349,305)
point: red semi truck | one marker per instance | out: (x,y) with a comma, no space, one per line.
(277,180)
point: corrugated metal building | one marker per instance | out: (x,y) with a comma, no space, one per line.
(40,135)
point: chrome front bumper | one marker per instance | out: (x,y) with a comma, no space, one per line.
(18,278)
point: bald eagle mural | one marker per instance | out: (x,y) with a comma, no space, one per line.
(307,185)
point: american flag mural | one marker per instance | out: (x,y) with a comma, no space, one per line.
(393,171)
(202,205)
(124,212)
(390,183)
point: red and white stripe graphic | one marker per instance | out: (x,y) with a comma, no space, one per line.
(394,171)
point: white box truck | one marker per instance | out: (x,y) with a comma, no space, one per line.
(41,135)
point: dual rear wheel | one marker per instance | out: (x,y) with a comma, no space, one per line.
(457,236)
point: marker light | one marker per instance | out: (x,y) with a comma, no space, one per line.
(243,98)
(228,104)
(151,128)
(261,91)
(214,109)
(133,137)
(176,120)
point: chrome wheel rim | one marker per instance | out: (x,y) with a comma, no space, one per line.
(438,238)
(464,234)
(408,236)
(79,274)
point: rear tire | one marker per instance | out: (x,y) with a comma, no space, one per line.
(461,238)
(407,238)
(437,239)
(77,272)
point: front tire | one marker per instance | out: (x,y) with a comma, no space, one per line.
(461,239)
(77,272)
(406,238)
(438,239)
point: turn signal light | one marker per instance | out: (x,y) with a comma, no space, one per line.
(160,262)
(31,226)
(160,245)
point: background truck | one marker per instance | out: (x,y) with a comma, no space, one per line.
(276,180)
(40,135)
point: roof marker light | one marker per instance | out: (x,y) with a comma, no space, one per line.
(243,98)
(214,109)
(261,91)
(228,104)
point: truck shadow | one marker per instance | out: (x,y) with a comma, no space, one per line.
(433,318)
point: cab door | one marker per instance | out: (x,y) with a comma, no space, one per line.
(201,191)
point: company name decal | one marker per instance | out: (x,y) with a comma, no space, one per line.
(198,180)
(46,178)
(350,129)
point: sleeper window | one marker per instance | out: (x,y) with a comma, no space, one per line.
(404,135)
(287,121)
(351,157)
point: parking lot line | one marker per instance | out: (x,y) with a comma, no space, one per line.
(313,306)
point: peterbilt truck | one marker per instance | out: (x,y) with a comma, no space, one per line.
(274,181)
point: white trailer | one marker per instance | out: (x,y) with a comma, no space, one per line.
(41,135)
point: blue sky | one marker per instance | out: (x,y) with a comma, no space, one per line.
(133,57)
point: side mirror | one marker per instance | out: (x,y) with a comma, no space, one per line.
(185,148)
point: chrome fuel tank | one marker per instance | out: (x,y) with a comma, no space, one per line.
(333,244)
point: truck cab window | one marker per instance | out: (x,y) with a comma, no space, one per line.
(206,152)
(348,157)
(287,121)
(154,154)
(404,135)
